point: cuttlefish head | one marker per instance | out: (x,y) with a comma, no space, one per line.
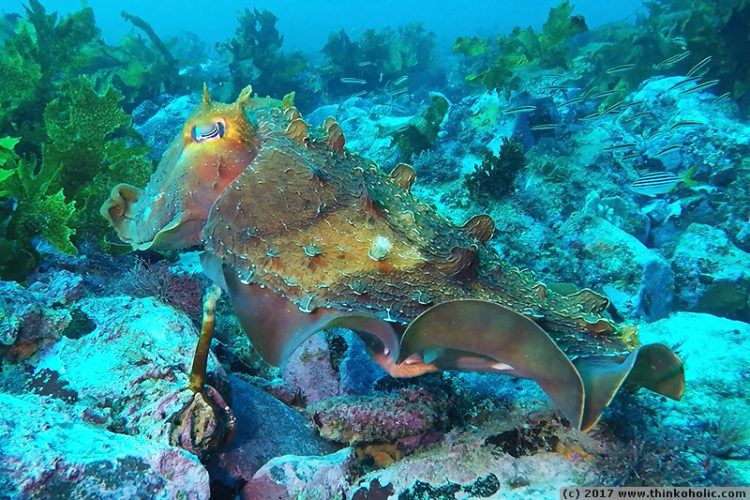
(215,145)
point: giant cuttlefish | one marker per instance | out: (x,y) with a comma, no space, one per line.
(305,235)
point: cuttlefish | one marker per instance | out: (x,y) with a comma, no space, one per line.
(305,235)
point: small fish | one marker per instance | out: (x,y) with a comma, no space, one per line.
(702,86)
(680,41)
(397,92)
(619,146)
(364,63)
(590,117)
(655,183)
(556,87)
(652,135)
(518,109)
(685,123)
(612,108)
(668,149)
(631,156)
(603,94)
(699,66)
(570,101)
(359,94)
(400,80)
(722,97)
(635,116)
(553,75)
(633,103)
(621,68)
(674,59)
(357,81)
(544,126)
(684,82)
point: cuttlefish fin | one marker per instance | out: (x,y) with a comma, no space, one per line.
(276,326)
(478,335)
(653,366)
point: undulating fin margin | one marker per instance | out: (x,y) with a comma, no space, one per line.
(469,335)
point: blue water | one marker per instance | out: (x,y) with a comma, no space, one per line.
(306,25)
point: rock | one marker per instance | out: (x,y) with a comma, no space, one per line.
(309,371)
(266,428)
(715,406)
(361,419)
(131,372)
(358,372)
(332,364)
(711,274)
(470,470)
(58,287)
(355,116)
(160,126)
(715,351)
(621,212)
(47,453)
(291,476)
(636,279)
(27,320)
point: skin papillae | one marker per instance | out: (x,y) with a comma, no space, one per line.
(305,235)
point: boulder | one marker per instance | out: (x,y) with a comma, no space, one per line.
(290,476)
(636,279)
(711,274)
(48,453)
(266,429)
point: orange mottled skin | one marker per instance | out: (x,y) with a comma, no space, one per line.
(305,235)
(294,212)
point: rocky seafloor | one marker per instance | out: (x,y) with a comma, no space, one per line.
(96,351)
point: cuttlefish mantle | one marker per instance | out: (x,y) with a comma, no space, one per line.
(305,235)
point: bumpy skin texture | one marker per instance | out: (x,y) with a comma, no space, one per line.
(306,235)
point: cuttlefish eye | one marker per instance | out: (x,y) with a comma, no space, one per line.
(208,132)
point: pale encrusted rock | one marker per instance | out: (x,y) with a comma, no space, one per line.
(711,274)
(49,453)
(291,476)
(26,317)
(133,367)
(636,279)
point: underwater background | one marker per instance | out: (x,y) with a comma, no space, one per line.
(609,143)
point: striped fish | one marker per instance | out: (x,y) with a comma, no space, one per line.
(655,183)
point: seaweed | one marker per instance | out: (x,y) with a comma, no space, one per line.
(144,68)
(495,177)
(33,62)
(499,65)
(87,146)
(419,132)
(698,29)
(89,136)
(378,59)
(255,57)
(66,136)
(33,213)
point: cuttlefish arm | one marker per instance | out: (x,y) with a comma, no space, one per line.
(216,144)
